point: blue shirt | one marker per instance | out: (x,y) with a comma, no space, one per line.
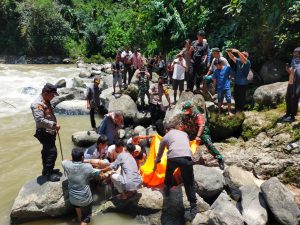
(222,77)
(242,72)
(108,128)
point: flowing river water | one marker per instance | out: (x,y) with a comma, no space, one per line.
(20,158)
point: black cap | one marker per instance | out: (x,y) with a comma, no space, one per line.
(201,33)
(215,50)
(50,88)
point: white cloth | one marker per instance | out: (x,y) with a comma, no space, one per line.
(111,153)
(117,181)
(179,69)
(214,67)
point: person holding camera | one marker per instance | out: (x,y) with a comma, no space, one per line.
(117,68)
(240,79)
(293,89)
(126,55)
(199,59)
(179,66)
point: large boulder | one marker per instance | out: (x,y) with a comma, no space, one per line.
(235,178)
(77,82)
(106,68)
(41,199)
(272,71)
(281,202)
(257,122)
(68,94)
(61,83)
(173,115)
(133,91)
(125,104)
(254,208)
(72,107)
(149,201)
(271,94)
(224,212)
(209,181)
(85,74)
(85,138)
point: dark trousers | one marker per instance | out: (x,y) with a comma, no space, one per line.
(101,111)
(155,112)
(239,95)
(187,173)
(195,75)
(49,151)
(127,68)
(291,101)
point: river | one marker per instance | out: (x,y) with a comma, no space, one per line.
(20,158)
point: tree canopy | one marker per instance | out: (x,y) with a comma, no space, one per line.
(93,28)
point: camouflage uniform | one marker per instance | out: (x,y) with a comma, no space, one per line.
(143,87)
(191,123)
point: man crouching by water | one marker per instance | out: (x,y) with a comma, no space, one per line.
(129,181)
(79,175)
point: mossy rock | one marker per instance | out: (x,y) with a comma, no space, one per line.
(133,91)
(226,126)
(291,176)
(257,122)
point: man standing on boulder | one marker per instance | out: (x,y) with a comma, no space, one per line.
(240,79)
(293,89)
(46,130)
(93,101)
(126,55)
(179,155)
(194,124)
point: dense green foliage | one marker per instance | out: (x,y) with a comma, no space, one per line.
(266,28)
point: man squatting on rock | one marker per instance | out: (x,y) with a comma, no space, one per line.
(46,130)
(194,124)
(179,155)
(79,175)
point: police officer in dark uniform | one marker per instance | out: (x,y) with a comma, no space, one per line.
(46,130)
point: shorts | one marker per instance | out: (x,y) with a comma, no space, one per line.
(86,212)
(117,79)
(227,94)
(178,83)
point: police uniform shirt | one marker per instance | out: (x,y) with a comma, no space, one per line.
(43,115)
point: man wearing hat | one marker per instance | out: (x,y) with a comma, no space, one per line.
(240,79)
(46,130)
(194,124)
(93,101)
(293,89)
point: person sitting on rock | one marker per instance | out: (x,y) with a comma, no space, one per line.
(179,155)
(114,150)
(143,83)
(110,126)
(194,124)
(156,92)
(129,180)
(79,175)
(96,154)
(293,89)
(221,79)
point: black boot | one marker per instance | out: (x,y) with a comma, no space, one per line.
(221,163)
(53,177)
(194,210)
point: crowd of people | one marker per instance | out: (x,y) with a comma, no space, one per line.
(195,65)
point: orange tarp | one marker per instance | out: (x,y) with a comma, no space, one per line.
(156,178)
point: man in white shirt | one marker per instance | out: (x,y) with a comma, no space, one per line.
(114,150)
(126,55)
(179,66)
